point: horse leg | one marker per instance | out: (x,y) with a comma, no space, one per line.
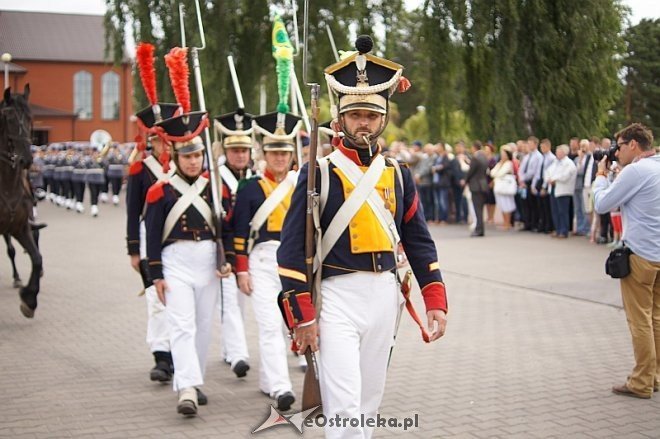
(11,252)
(29,292)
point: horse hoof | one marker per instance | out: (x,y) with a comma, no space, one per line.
(18,284)
(27,311)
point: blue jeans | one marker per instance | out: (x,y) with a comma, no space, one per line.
(460,203)
(562,205)
(582,225)
(442,203)
(426,197)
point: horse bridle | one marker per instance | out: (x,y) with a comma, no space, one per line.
(10,154)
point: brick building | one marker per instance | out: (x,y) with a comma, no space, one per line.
(74,88)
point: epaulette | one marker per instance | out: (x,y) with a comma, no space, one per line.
(156,192)
(136,168)
(244,182)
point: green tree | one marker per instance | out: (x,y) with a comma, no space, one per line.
(642,75)
(566,65)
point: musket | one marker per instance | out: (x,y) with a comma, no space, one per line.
(311,391)
(213,168)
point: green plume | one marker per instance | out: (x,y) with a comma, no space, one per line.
(283,54)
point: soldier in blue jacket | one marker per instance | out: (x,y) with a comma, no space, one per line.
(380,209)
(144,173)
(261,206)
(181,249)
(236,129)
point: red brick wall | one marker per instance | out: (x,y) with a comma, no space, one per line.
(51,85)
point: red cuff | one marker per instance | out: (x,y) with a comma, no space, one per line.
(306,308)
(435,296)
(242,264)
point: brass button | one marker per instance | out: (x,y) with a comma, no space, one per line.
(353,224)
(378,255)
(355,236)
(380,267)
(355,249)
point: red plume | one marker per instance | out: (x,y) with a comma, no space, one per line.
(404,85)
(177,63)
(164,160)
(144,55)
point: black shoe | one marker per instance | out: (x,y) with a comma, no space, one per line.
(162,371)
(241,368)
(476,234)
(285,401)
(201,397)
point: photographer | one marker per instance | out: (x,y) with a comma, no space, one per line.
(637,192)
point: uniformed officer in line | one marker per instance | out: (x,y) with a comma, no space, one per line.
(49,169)
(36,172)
(116,166)
(182,256)
(236,130)
(261,205)
(78,177)
(63,171)
(95,179)
(143,173)
(360,295)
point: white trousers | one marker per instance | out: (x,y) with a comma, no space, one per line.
(158,329)
(234,344)
(273,343)
(356,330)
(189,271)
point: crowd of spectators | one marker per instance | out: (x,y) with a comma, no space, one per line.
(536,187)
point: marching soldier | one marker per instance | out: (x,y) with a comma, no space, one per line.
(261,205)
(182,256)
(64,168)
(78,179)
(237,144)
(368,206)
(144,173)
(116,163)
(95,179)
(49,169)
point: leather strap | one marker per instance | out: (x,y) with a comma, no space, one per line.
(268,206)
(189,196)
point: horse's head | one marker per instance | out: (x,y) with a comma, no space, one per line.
(16,127)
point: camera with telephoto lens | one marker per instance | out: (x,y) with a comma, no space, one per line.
(610,154)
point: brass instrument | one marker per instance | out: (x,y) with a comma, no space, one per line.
(101,140)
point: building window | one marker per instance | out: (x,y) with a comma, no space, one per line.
(110,96)
(82,94)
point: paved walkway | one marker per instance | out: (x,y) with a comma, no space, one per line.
(536,338)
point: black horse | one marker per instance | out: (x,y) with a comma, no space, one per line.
(11,252)
(15,194)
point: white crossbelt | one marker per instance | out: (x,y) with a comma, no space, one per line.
(189,196)
(365,190)
(156,168)
(229,178)
(269,206)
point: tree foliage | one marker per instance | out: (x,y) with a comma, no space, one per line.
(491,69)
(642,75)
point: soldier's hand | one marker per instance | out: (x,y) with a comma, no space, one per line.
(307,337)
(135,262)
(161,288)
(224,271)
(436,330)
(244,283)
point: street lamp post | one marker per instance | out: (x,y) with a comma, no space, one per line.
(6,59)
